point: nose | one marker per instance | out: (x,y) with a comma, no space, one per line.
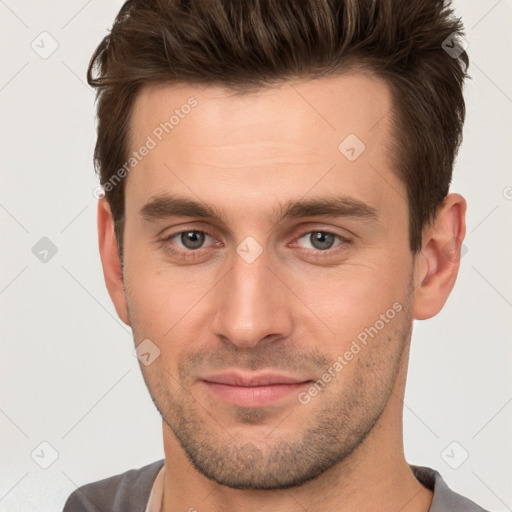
(253,304)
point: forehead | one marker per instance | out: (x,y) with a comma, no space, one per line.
(353,103)
(287,139)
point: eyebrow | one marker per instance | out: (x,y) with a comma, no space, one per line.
(166,206)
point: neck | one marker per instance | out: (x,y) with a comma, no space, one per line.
(375,476)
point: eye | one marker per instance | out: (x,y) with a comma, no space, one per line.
(320,240)
(190,240)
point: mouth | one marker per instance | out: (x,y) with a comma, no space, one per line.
(253,389)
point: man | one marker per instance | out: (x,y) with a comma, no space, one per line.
(276,214)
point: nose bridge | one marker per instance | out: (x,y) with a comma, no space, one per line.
(252,304)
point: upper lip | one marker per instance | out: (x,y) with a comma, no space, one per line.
(252,379)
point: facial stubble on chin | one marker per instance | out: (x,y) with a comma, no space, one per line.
(324,438)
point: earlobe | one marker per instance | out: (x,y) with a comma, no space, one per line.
(437,266)
(110,260)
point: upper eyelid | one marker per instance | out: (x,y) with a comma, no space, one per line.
(197,230)
(309,231)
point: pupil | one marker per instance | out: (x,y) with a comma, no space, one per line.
(192,239)
(321,240)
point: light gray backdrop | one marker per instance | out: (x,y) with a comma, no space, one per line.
(68,376)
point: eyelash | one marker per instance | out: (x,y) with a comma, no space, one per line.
(314,253)
(184,253)
(319,254)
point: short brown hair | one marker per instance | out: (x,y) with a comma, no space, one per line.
(250,44)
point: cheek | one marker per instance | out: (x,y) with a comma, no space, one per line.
(157,293)
(154,307)
(167,306)
(342,302)
(371,355)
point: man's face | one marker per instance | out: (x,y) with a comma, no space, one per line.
(266,292)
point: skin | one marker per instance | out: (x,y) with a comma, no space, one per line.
(287,310)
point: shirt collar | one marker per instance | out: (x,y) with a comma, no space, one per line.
(157,491)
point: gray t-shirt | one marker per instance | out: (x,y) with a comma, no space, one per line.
(129,492)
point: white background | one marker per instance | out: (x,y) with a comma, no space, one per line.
(68,376)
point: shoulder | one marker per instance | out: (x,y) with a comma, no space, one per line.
(444,498)
(126,492)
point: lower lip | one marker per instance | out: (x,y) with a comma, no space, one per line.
(253,396)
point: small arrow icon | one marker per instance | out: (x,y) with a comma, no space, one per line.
(44,250)
(44,455)
(146,352)
(454,45)
(351,147)
(249,249)
(455,455)
(44,44)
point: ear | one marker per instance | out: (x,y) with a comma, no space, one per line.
(437,266)
(110,260)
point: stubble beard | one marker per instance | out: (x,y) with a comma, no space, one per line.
(323,439)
